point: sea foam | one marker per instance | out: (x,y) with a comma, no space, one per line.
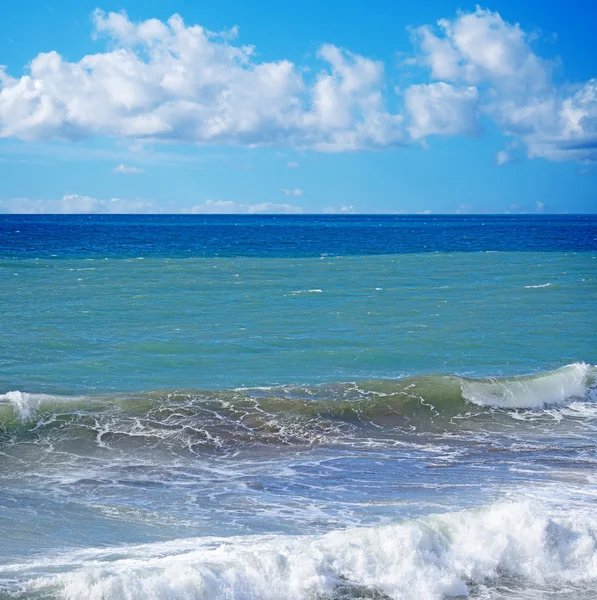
(24,404)
(535,391)
(436,557)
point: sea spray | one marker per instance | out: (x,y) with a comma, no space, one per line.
(440,556)
(289,414)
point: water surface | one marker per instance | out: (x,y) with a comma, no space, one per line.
(298,407)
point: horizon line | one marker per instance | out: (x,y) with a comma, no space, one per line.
(297,215)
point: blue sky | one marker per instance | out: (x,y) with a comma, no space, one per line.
(234,106)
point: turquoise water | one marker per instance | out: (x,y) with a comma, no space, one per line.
(298,408)
(87,325)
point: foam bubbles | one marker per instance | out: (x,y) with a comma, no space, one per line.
(539,391)
(23,404)
(433,558)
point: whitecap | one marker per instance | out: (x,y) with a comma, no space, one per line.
(433,558)
(534,391)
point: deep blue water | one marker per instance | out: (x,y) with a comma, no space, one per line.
(284,236)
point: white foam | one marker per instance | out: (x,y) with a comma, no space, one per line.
(314,291)
(531,287)
(428,559)
(552,388)
(25,405)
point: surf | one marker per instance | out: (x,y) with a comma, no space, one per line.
(447,555)
(292,415)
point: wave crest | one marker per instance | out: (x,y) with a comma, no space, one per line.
(437,557)
(293,414)
(533,391)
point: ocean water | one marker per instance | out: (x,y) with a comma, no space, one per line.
(298,407)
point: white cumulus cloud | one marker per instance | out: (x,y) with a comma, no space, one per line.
(77,204)
(127,169)
(481,47)
(293,192)
(441,108)
(81,204)
(175,82)
(502,158)
(213,207)
(343,209)
(518,93)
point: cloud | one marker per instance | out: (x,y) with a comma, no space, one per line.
(172,82)
(343,209)
(526,209)
(441,108)
(515,85)
(293,165)
(502,158)
(175,82)
(128,170)
(348,104)
(228,207)
(77,204)
(294,192)
(505,156)
(481,47)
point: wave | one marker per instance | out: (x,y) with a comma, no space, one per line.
(520,545)
(533,391)
(296,414)
(542,285)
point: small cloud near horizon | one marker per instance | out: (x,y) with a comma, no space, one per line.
(294,192)
(127,170)
(228,207)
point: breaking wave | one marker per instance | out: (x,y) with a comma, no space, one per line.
(296,414)
(442,556)
(533,391)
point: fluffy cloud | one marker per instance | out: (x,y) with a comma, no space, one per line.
(213,207)
(441,108)
(515,86)
(294,192)
(77,204)
(348,104)
(502,158)
(169,81)
(127,170)
(343,209)
(508,154)
(481,47)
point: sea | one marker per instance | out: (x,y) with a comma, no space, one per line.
(298,407)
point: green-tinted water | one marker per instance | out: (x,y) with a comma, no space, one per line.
(127,324)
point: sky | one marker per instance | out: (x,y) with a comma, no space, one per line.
(305,107)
